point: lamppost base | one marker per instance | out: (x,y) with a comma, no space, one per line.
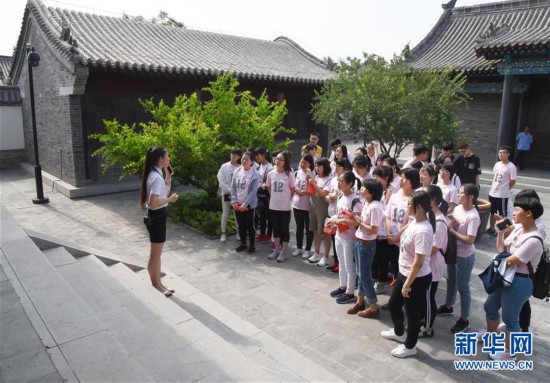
(40,201)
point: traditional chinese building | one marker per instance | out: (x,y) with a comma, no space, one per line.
(95,67)
(504,49)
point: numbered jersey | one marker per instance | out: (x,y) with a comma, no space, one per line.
(281,193)
(502,175)
(398,212)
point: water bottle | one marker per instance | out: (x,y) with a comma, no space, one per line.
(394,229)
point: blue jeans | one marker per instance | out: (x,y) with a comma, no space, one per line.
(364,255)
(511,300)
(458,279)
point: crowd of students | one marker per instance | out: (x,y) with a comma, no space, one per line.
(387,227)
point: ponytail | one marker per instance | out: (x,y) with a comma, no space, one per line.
(422,198)
(152,157)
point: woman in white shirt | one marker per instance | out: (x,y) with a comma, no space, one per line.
(225,175)
(155,196)
(450,192)
(414,278)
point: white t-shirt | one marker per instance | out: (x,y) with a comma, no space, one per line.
(281,195)
(372,215)
(437,261)
(503,174)
(345,203)
(450,194)
(225,175)
(301,202)
(243,179)
(395,183)
(417,239)
(469,222)
(157,186)
(527,250)
(333,189)
(398,211)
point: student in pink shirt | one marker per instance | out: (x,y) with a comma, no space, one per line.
(318,211)
(504,179)
(450,192)
(427,175)
(414,278)
(281,185)
(369,223)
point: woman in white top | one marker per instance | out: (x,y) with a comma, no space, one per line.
(392,163)
(155,196)
(414,278)
(281,184)
(300,206)
(450,192)
(341,152)
(225,175)
(427,175)
(263,219)
(318,211)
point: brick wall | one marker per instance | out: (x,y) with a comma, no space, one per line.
(11,158)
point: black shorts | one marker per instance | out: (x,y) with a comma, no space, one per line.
(157,229)
(499,205)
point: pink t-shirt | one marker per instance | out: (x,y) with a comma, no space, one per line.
(372,215)
(450,194)
(398,212)
(395,183)
(437,261)
(281,195)
(469,222)
(416,239)
(345,203)
(503,174)
(527,250)
(333,189)
(301,202)
(243,178)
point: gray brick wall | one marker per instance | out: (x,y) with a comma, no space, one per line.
(11,158)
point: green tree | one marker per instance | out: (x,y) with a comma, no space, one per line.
(391,102)
(199,135)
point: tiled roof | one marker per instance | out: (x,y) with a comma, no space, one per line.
(5,66)
(10,95)
(110,42)
(463,35)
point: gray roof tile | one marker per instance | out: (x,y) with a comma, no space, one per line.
(463,35)
(10,95)
(110,42)
(5,67)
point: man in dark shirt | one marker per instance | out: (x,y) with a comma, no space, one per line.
(467,165)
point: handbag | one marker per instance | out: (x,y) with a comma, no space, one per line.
(491,277)
(310,189)
(329,228)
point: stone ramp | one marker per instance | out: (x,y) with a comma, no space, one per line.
(100,320)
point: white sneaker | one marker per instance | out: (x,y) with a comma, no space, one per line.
(297,252)
(402,352)
(501,356)
(282,257)
(223,238)
(326,262)
(480,333)
(238,237)
(306,254)
(501,327)
(380,288)
(315,258)
(390,334)
(274,254)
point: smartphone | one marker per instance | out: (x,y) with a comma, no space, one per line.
(169,168)
(504,224)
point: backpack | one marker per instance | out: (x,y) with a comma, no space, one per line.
(492,277)
(541,278)
(450,253)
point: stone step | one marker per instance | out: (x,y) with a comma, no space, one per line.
(182,349)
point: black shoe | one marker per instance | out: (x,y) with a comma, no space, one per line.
(251,250)
(460,326)
(338,292)
(385,307)
(241,247)
(444,310)
(346,298)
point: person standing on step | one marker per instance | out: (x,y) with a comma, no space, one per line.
(300,205)
(463,225)
(281,184)
(467,165)
(414,277)
(524,141)
(225,175)
(504,179)
(314,139)
(155,197)
(244,199)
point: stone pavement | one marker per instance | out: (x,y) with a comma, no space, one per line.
(288,301)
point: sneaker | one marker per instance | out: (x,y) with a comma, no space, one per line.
(238,237)
(282,257)
(316,257)
(380,287)
(223,238)
(443,310)
(336,268)
(369,313)
(241,247)
(338,292)
(274,254)
(251,250)
(424,333)
(501,327)
(306,254)
(297,253)
(501,356)
(325,262)
(402,352)
(460,326)
(390,334)
(490,231)
(266,238)
(480,333)
(346,298)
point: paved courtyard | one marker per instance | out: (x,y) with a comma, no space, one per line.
(289,301)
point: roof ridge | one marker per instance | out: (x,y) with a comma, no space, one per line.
(499,6)
(314,59)
(433,35)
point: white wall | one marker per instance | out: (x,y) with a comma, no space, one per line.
(11,128)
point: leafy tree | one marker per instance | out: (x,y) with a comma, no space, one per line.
(391,102)
(198,135)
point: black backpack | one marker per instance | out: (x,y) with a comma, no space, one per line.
(450,253)
(541,278)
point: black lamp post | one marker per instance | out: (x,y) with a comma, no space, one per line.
(33,59)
